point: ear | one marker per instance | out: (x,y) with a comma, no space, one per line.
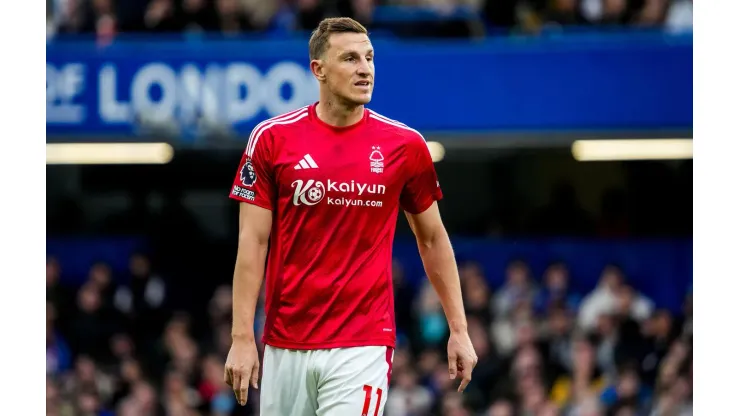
(317,68)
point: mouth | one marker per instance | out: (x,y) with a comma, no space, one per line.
(363,83)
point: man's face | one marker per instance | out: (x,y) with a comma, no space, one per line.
(348,67)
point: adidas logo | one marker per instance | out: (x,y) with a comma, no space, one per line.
(306,163)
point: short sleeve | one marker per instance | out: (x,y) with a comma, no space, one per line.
(422,187)
(254,182)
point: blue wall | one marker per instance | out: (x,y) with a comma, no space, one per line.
(602,82)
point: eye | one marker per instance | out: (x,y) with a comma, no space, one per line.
(370,58)
(349,59)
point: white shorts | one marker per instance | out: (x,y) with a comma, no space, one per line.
(333,382)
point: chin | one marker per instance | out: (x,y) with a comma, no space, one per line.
(363,99)
(359,99)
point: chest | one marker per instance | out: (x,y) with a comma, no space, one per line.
(347,170)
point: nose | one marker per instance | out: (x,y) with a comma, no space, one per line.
(363,68)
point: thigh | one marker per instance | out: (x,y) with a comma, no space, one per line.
(354,381)
(288,387)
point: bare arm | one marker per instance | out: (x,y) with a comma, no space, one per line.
(254,234)
(439,263)
(242,363)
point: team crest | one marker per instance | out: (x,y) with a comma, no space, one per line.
(376,160)
(247,174)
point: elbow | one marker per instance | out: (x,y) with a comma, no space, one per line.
(254,240)
(431,238)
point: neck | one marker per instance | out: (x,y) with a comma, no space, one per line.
(337,114)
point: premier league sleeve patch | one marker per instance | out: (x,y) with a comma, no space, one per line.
(248,175)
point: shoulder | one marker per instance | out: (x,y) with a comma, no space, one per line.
(267,128)
(408,135)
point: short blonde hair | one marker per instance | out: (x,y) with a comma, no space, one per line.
(319,42)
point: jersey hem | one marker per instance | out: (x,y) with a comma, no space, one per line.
(425,206)
(375,342)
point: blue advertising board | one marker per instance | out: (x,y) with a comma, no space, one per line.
(554,83)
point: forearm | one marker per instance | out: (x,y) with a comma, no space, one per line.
(248,275)
(441,268)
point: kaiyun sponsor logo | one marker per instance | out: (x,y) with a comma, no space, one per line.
(311,192)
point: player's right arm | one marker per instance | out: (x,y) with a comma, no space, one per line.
(255,189)
(242,364)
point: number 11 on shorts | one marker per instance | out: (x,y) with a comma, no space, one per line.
(368,394)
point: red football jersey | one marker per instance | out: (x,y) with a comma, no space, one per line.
(334,193)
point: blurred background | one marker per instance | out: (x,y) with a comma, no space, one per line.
(561,131)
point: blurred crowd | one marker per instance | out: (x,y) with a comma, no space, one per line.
(116,345)
(448,18)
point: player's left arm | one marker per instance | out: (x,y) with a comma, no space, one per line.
(438,257)
(419,201)
(439,262)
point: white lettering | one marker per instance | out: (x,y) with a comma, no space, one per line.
(361,187)
(292,75)
(160,75)
(111,110)
(63,86)
(233,93)
(238,76)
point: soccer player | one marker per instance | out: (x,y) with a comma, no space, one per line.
(322,185)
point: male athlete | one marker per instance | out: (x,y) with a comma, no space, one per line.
(323,185)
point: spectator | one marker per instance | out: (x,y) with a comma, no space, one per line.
(535,367)
(612,296)
(220,306)
(488,368)
(685,320)
(141,402)
(633,304)
(179,398)
(659,333)
(557,331)
(198,16)
(87,377)
(408,398)
(584,381)
(680,15)
(506,330)
(308,14)
(430,316)
(628,389)
(607,336)
(518,288)
(556,289)
(88,404)
(56,294)
(160,16)
(213,391)
(501,407)
(91,327)
(101,278)
(143,300)
(58,354)
(129,375)
(476,294)
(232,17)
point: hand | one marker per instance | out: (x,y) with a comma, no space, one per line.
(461,358)
(242,369)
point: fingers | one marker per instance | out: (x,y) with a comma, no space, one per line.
(227,375)
(255,375)
(467,374)
(241,387)
(452,365)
